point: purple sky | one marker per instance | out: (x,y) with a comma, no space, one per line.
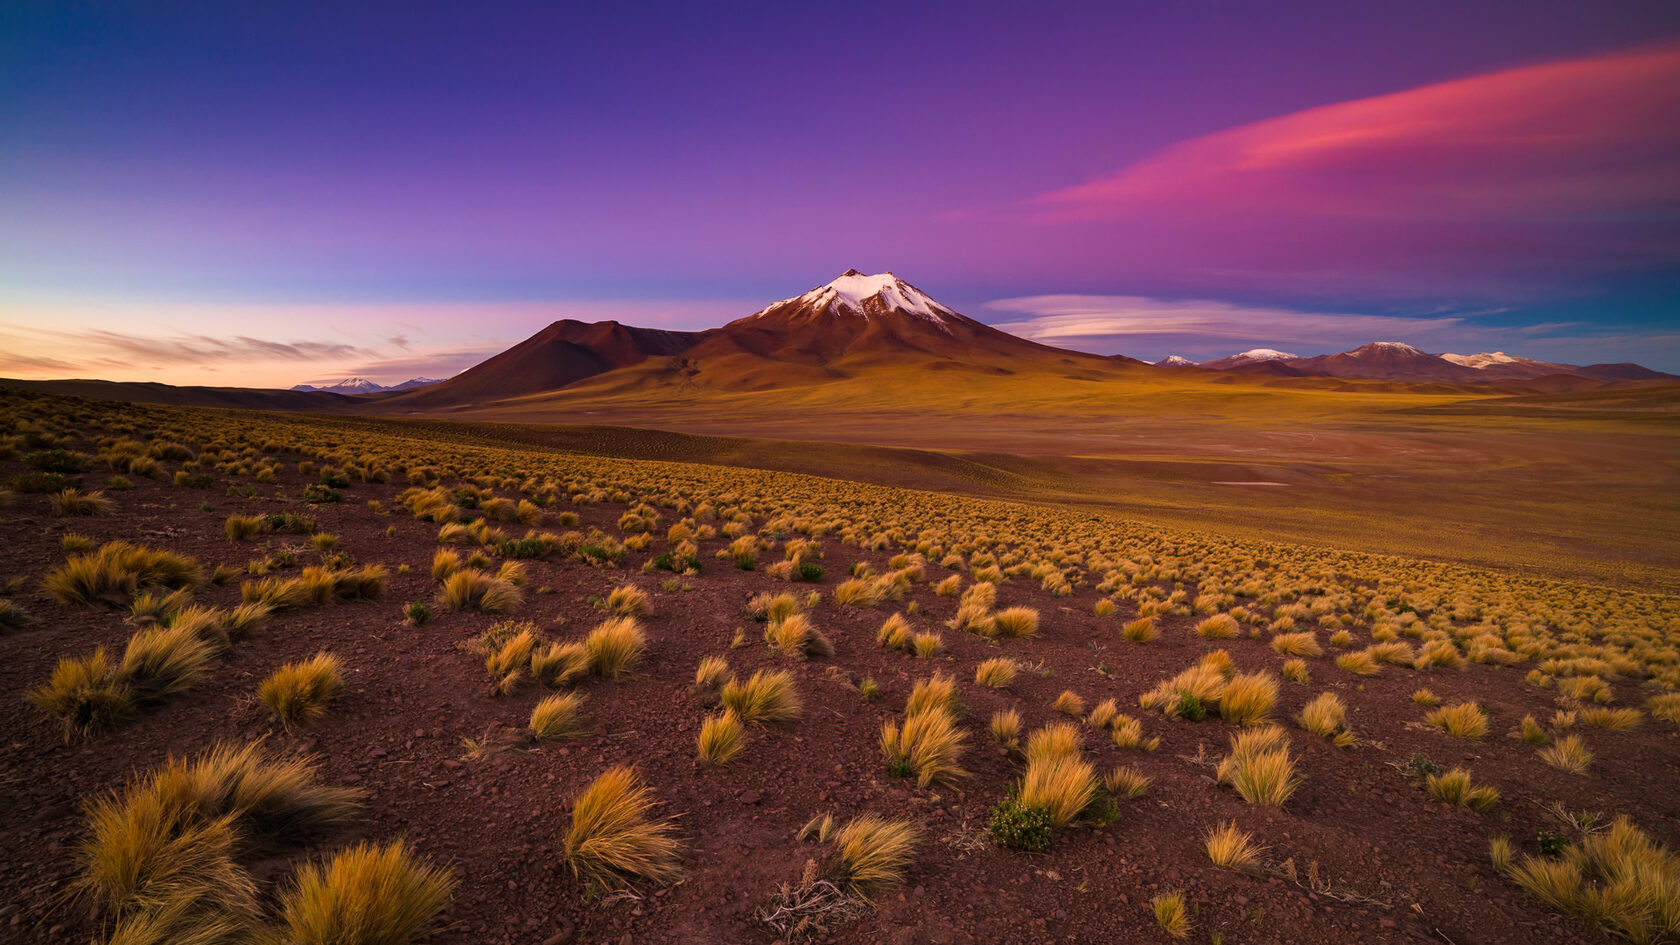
(275,193)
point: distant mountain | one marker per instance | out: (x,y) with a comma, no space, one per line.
(361,385)
(1173,360)
(1397,361)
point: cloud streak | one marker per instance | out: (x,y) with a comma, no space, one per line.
(1519,178)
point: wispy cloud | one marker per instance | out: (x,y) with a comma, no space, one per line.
(1510,181)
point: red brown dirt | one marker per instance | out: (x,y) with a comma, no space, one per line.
(412,695)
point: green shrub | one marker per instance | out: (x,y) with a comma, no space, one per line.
(320,494)
(1018,827)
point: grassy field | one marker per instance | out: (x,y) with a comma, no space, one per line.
(1569,485)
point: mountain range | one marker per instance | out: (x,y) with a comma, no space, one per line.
(1397,361)
(361,385)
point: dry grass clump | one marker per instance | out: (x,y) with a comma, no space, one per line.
(299,692)
(1260,768)
(67,503)
(1615,720)
(1619,879)
(614,646)
(90,693)
(1141,630)
(628,601)
(556,716)
(874,852)
(711,674)
(1665,706)
(473,589)
(160,853)
(1062,785)
(1171,914)
(766,697)
(949,587)
(507,648)
(1326,717)
(927,645)
(245,527)
(772,607)
(1006,728)
(1359,663)
(1569,753)
(1190,694)
(1460,720)
(1426,697)
(720,738)
(1233,849)
(796,635)
(1068,703)
(369,895)
(996,673)
(117,571)
(612,839)
(1248,699)
(557,664)
(1218,627)
(1015,622)
(928,742)
(1126,782)
(858,592)
(1128,733)
(896,633)
(1295,671)
(1304,643)
(1532,731)
(1454,787)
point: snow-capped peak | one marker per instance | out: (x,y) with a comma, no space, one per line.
(1173,360)
(1264,354)
(1480,361)
(1398,347)
(356,383)
(857,293)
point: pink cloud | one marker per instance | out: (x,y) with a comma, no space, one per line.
(1498,181)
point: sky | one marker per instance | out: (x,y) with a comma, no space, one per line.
(263,194)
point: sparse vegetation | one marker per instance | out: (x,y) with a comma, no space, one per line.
(299,692)
(613,839)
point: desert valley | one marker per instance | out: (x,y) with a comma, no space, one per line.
(1247,511)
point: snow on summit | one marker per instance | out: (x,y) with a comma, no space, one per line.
(858,293)
(1481,360)
(1264,354)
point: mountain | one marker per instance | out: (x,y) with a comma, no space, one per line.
(414,382)
(361,385)
(235,398)
(1400,362)
(854,325)
(1173,360)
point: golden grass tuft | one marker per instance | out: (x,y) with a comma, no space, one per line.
(1326,717)
(473,589)
(1460,720)
(1615,720)
(938,693)
(1569,753)
(1618,879)
(1533,732)
(1665,706)
(1126,782)
(85,694)
(1260,768)
(1171,914)
(1128,733)
(556,716)
(1006,728)
(949,587)
(299,692)
(1304,643)
(1454,787)
(895,633)
(1103,715)
(720,738)
(67,503)
(117,571)
(612,839)
(1056,740)
(857,592)
(766,697)
(1062,785)
(797,636)
(1359,663)
(927,645)
(557,664)
(244,527)
(874,852)
(711,674)
(629,601)
(1233,849)
(1248,699)
(614,646)
(927,744)
(1426,697)
(369,895)
(996,673)
(1016,622)
(1141,630)
(1068,703)
(1218,627)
